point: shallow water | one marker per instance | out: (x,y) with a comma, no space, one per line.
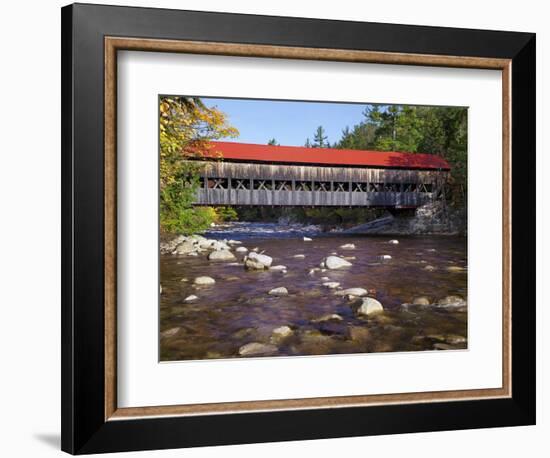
(237,310)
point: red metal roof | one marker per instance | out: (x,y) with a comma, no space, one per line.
(233,151)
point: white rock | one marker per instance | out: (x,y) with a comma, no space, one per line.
(191,298)
(325,278)
(322,265)
(257,261)
(217,245)
(358,292)
(370,307)
(394,242)
(328,317)
(257,349)
(202,281)
(193,253)
(452,301)
(334,262)
(385,256)
(241,249)
(281,291)
(170,332)
(429,268)
(456,269)
(348,246)
(234,242)
(422,300)
(307,239)
(278,268)
(160,289)
(186,247)
(280,333)
(331,284)
(299,256)
(221,255)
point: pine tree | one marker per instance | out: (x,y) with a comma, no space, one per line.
(273,142)
(320,139)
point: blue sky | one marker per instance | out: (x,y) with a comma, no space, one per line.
(290,123)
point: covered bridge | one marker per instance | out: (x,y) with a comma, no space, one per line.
(249,174)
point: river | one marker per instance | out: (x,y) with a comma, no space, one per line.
(237,310)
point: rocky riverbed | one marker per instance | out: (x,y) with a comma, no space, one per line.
(250,290)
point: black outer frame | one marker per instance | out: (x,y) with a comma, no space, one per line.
(84,429)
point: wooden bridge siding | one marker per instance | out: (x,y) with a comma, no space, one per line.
(309,173)
(296,173)
(309,198)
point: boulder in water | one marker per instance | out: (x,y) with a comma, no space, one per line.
(281,333)
(278,268)
(221,255)
(186,247)
(370,307)
(204,281)
(331,284)
(357,292)
(280,291)
(257,261)
(451,301)
(348,246)
(257,349)
(422,300)
(334,262)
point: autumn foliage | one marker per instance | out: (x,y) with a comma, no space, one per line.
(186,128)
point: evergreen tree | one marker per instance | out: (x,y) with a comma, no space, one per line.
(320,139)
(273,142)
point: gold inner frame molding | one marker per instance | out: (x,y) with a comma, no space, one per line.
(114,44)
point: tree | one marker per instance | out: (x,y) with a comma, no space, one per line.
(273,142)
(186,128)
(432,130)
(320,139)
(307,143)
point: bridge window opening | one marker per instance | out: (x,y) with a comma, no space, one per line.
(410,187)
(218,183)
(283,185)
(239,183)
(425,187)
(374,187)
(359,187)
(323,186)
(303,186)
(340,186)
(265,185)
(391,187)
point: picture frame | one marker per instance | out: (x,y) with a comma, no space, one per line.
(92,35)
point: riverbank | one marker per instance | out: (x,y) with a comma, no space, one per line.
(431,219)
(270,290)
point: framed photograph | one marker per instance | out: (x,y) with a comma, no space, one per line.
(281,228)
